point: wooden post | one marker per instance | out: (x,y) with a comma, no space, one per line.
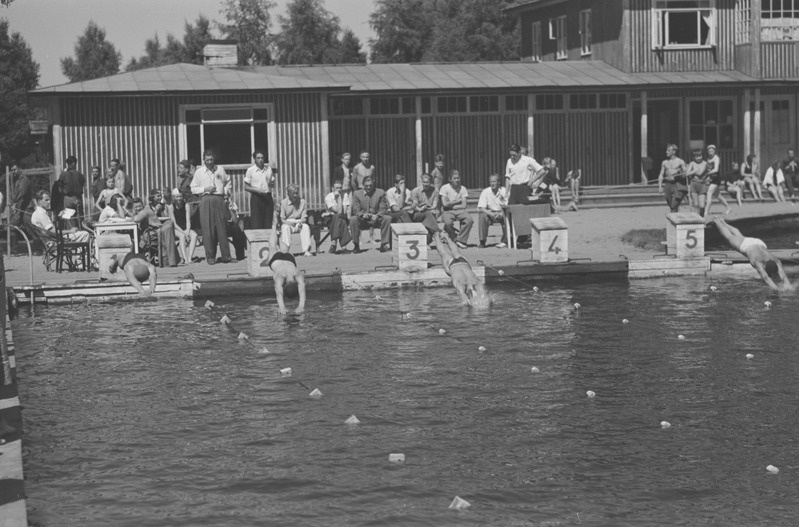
(756,134)
(8,210)
(757,65)
(419,150)
(644,134)
(325,132)
(530,124)
(747,122)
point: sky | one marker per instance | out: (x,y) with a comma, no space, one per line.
(52,27)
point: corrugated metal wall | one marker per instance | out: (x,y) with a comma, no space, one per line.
(779,59)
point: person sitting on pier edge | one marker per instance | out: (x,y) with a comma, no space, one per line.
(148,216)
(453,203)
(136,270)
(337,216)
(294,219)
(400,204)
(573,180)
(489,210)
(40,219)
(790,170)
(469,288)
(672,174)
(370,209)
(211,183)
(751,173)
(259,181)
(550,182)
(288,279)
(521,173)
(767,265)
(774,182)
(425,200)
(734,182)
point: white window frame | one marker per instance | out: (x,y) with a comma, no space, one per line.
(270,123)
(537,44)
(779,24)
(661,14)
(743,21)
(557,31)
(719,125)
(585,32)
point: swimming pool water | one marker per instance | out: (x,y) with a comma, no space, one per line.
(155,414)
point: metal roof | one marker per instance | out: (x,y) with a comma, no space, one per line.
(190,77)
(493,75)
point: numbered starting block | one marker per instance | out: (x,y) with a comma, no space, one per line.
(258,254)
(685,235)
(550,239)
(410,246)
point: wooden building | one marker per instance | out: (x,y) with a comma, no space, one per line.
(602,86)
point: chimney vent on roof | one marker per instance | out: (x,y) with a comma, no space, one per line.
(220,53)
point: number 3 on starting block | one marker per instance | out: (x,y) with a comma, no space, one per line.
(410,246)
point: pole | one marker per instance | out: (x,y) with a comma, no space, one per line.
(8,210)
(5,363)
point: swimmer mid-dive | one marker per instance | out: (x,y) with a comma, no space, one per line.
(469,288)
(766,264)
(289,281)
(136,270)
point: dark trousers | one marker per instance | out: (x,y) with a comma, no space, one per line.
(674,193)
(484,221)
(519,194)
(384,222)
(238,238)
(213,222)
(339,230)
(428,219)
(261,210)
(791,181)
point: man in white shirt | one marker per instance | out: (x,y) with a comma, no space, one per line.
(259,181)
(40,219)
(489,210)
(338,211)
(521,176)
(425,205)
(453,201)
(400,205)
(211,183)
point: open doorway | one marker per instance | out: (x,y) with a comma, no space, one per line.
(663,127)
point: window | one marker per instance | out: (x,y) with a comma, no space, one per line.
(484,103)
(427,106)
(583,101)
(232,132)
(711,121)
(557,31)
(585,32)
(743,21)
(535,50)
(612,100)
(779,20)
(339,107)
(452,104)
(683,24)
(391,105)
(548,102)
(516,103)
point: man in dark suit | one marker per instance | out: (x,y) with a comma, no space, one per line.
(370,209)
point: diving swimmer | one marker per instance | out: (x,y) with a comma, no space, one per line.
(469,288)
(289,281)
(136,270)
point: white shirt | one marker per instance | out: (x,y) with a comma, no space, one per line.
(260,178)
(205,178)
(40,219)
(520,172)
(452,196)
(395,200)
(344,199)
(769,178)
(490,201)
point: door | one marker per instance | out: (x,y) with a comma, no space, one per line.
(663,127)
(777,128)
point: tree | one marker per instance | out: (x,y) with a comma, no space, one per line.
(189,51)
(403,28)
(195,37)
(20,73)
(309,34)
(94,56)
(350,49)
(6,2)
(248,23)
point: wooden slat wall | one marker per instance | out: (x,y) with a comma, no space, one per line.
(644,59)
(743,58)
(779,59)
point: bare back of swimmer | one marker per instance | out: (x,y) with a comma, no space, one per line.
(289,281)
(137,270)
(469,288)
(766,264)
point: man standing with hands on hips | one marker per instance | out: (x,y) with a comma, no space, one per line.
(211,183)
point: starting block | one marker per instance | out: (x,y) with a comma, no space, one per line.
(550,239)
(410,246)
(258,255)
(107,246)
(685,235)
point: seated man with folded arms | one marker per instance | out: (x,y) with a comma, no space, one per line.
(400,204)
(338,207)
(489,210)
(370,209)
(453,202)
(289,281)
(767,266)
(40,219)
(426,204)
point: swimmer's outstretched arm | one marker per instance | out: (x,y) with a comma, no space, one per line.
(135,281)
(301,292)
(730,233)
(279,282)
(761,270)
(153,278)
(273,236)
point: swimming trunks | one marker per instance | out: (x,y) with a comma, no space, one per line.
(128,257)
(749,243)
(286,257)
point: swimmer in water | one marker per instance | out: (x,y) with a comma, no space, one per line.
(469,288)
(136,270)
(289,281)
(766,264)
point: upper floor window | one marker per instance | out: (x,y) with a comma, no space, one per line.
(391,105)
(549,102)
(683,24)
(484,103)
(585,32)
(743,21)
(452,104)
(535,49)
(515,103)
(232,132)
(779,20)
(557,31)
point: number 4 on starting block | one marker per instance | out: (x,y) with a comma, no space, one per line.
(550,240)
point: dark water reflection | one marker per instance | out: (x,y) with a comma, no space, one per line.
(153,414)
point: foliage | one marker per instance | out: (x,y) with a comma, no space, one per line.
(190,51)
(20,73)
(648,239)
(94,56)
(310,35)
(248,23)
(443,31)
(6,2)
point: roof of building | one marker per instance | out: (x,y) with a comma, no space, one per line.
(190,77)
(524,5)
(492,75)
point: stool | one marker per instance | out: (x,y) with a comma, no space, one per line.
(685,235)
(109,245)
(410,246)
(258,254)
(550,239)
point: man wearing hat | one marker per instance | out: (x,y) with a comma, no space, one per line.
(71,183)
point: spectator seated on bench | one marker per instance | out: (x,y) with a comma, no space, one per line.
(294,219)
(336,217)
